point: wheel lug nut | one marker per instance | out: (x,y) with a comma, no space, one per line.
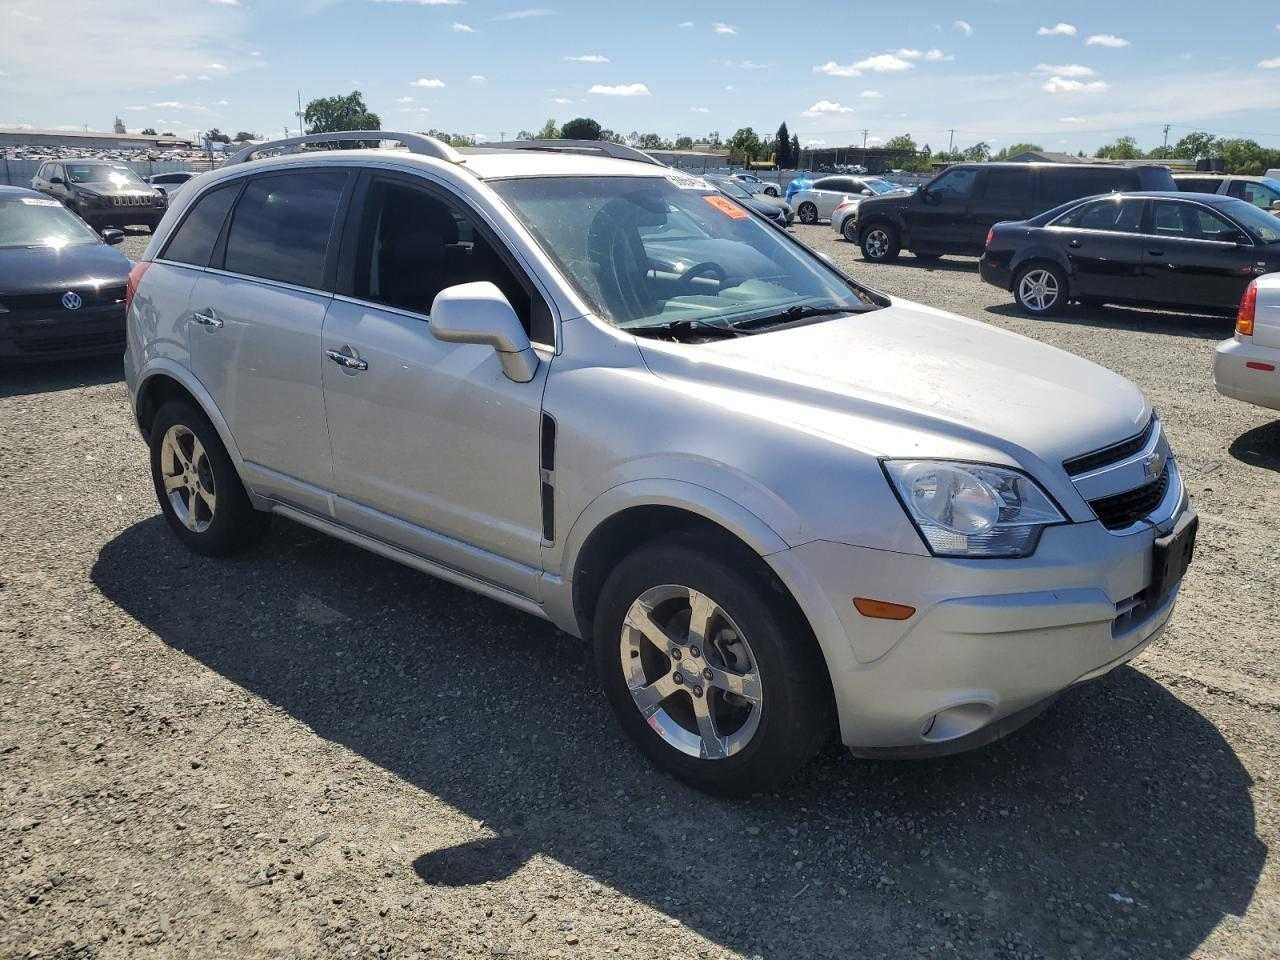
(697,691)
(706,674)
(693,651)
(678,677)
(675,653)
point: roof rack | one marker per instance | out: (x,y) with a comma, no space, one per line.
(415,142)
(606,147)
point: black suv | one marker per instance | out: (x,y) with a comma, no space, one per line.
(953,212)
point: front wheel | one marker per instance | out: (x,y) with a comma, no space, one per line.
(849,229)
(808,213)
(771,191)
(1041,289)
(880,243)
(709,667)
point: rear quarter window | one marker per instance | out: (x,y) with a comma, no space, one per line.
(195,237)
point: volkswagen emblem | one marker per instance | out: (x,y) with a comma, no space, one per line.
(71,300)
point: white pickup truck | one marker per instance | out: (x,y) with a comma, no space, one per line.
(1247,367)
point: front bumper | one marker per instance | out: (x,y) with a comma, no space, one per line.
(46,335)
(1235,378)
(99,217)
(991,640)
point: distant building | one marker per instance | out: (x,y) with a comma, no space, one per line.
(11,137)
(691,159)
(1050,156)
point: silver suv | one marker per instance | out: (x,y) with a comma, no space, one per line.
(777,504)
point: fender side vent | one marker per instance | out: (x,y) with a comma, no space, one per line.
(548,459)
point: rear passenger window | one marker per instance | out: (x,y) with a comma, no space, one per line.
(1058,185)
(282,226)
(413,245)
(1004,185)
(193,241)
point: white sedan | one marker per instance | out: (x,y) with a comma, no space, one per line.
(1247,367)
(819,201)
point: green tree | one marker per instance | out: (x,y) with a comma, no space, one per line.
(744,146)
(1124,148)
(216,136)
(1195,145)
(714,141)
(902,143)
(795,151)
(244,136)
(328,114)
(782,148)
(580,128)
(978,152)
(148,132)
(652,141)
(611,136)
(684,143)
(1017,148)
(549,131)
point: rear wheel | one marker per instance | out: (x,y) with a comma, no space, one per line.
(1041,289)
(709,668)
(197,485)
(880,243)
(808,213)
(849,229)
(771,191)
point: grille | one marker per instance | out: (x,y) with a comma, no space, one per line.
(89,296)
(1125,509)
(131,201)
(1108,455)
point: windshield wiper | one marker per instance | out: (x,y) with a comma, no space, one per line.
(684,330)
(790,315)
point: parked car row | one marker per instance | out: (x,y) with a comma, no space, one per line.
(103,192)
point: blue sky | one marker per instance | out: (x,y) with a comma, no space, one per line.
(1067,75)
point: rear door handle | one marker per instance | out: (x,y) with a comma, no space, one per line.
(209,318)
(348,360)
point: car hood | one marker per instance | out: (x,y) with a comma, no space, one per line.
(765,203)
(43,269)
(107,190)
(907,380)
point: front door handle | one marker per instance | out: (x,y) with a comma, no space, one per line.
(349,360)
(209,318)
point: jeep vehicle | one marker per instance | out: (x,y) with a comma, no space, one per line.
(953,212)
(104,193)
(777,505)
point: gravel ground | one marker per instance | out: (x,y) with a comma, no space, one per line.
(310,751)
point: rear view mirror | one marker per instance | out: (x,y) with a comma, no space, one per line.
(480,313)
(112,236)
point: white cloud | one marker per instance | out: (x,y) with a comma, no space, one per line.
(620,90)
(833,69)
(1065,69)
(963,26)
(462,28)
(907,53)
(425,3)
(1072,120)
(587,58)
(215,66)
(724,29)
(699,110)
(685,25)
(1059,29)
(561,100)
(227,3)
(826,107)
(179,77)
(430,82)
(747,65)
(1106,40)
(204,76)
(223,103)
(477,78)
(871,95)
(1064,85)
(1272,64)
(934,55)
(404,100)
(881,63)
(525,14)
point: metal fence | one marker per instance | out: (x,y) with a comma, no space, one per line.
(18,173)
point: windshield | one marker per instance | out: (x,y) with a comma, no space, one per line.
(39,222)
(116,176)
(876,185)
(651,251)
(1263,225)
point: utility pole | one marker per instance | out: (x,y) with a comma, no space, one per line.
(951,141)
(1166,138)
(299,113)
(502,136)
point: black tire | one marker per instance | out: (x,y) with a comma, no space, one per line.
(808,213)
(232,524)
(880,243)
(771,191)
(1045,290)
(849,229)
(796,708)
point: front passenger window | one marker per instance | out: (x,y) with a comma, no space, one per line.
(954,184)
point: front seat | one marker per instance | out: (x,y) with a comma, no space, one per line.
(618,258)
(413,261)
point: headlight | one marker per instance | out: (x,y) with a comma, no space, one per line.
(973,510)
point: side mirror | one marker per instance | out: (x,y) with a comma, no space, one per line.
(57,180)
(866,193)
(112,236)
(1275,206)
(480,313)
(1237,237)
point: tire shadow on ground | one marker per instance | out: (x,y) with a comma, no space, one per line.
(1120,822)
(1132,319)
(1259,447)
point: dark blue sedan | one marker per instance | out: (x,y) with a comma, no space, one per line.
(62,287)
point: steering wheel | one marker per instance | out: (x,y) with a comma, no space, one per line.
(708,267)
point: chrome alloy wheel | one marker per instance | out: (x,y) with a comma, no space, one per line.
(188,478)
(1038,290)
(877,243)
(691,672)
